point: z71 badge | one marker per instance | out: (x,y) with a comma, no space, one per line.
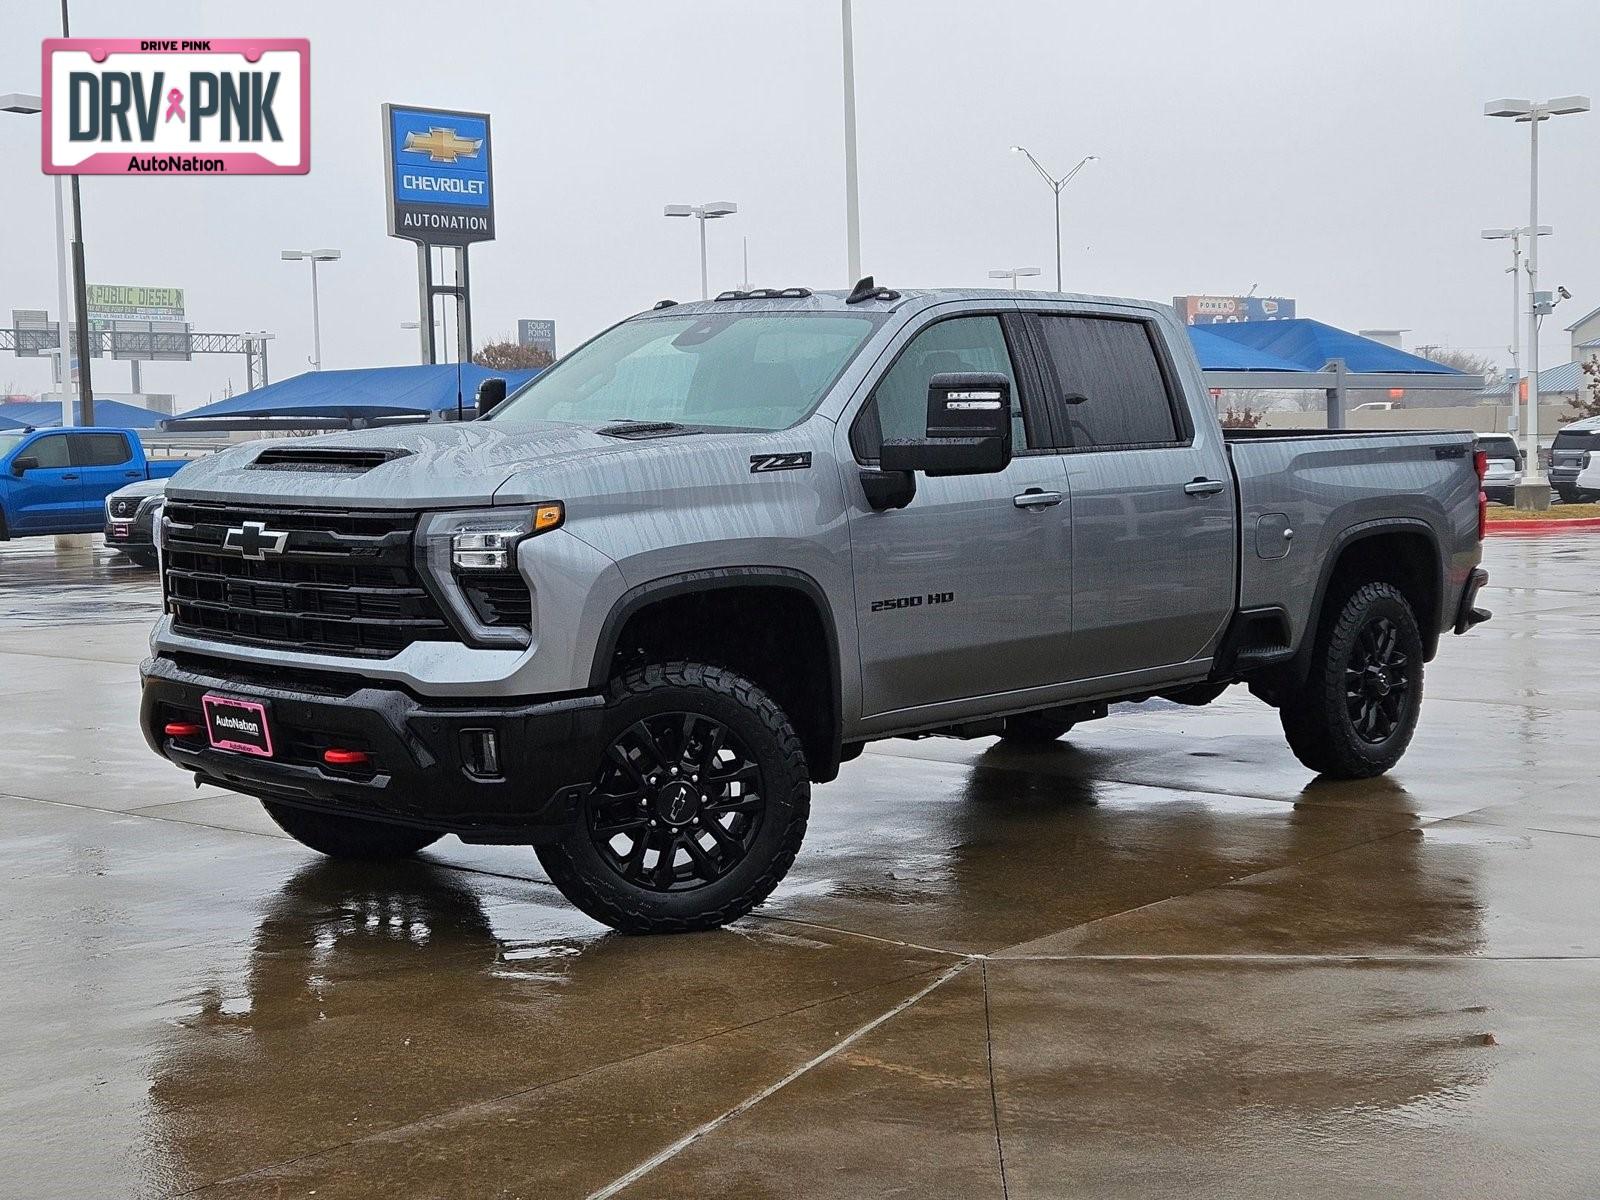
(761,463)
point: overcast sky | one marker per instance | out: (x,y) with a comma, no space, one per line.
(1332,152)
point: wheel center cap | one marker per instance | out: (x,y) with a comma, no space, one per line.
(677,802)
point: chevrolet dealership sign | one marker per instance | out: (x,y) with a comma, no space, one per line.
(169,106)
(440,178)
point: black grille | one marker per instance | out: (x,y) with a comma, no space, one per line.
(499,598)
(124,507)
(342,582)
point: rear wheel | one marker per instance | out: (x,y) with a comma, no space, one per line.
(1035,729)
(698,808)
(1569,495)
(1354,716)
(348,837)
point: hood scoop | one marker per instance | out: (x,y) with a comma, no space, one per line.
(643,429)
(330,460)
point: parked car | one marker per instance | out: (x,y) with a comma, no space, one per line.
(1588,483)
(1569,455)
(57,480)
(635,610)
(1504,469)
(130,519)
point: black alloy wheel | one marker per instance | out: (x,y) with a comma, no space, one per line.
(678,804)
(1377,681)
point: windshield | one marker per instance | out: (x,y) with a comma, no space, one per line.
(758,371)
(9,442)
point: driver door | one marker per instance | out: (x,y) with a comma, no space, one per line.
(967,591)
(47,497)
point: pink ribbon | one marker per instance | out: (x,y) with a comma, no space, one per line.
(175,106)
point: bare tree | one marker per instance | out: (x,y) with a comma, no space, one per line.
(509,355)
(1582,406)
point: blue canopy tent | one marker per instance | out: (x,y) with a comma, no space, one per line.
(350,399)
(42,414)
(1306,354)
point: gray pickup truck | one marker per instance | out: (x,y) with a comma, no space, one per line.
(629,614)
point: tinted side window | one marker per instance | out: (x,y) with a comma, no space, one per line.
(898,407)
(1113,365)
(98,449)
(51,451)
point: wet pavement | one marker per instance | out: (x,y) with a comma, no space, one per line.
(1155,957)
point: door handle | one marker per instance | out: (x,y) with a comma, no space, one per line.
(71,476)
(1036,498)
(1203,487)
(131,475)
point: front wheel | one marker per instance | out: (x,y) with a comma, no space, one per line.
(698,807)
(348,837)
(1354,716)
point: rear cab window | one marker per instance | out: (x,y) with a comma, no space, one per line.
(98,449)
(1107,385)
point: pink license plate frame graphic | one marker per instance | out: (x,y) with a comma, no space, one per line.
(116,161)
(213,706)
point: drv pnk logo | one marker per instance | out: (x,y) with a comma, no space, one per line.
(170,106)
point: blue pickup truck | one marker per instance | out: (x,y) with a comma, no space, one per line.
(57,480)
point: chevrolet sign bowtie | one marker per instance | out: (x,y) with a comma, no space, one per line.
(442,145)
(254,540)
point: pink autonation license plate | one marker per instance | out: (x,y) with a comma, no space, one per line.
(238,725)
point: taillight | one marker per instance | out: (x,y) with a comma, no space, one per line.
(1480,462)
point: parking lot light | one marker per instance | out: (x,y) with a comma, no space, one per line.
(702,212)
(314,256)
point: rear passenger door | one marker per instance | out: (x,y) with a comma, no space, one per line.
(105,462)
(1153,538)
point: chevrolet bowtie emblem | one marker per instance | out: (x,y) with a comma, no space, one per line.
(254,540)
(442,145)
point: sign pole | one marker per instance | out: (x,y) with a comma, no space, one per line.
(463,307)
(425,301)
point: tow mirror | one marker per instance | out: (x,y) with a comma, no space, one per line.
(26,463)
(969,428)
(490,392)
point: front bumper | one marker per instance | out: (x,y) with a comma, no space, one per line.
(420,768)
(135,533)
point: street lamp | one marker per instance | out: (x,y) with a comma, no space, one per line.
(1515,271)
(703,213)
(1015,273)
(1056,185)
(1534,491)
(315,256)
(18,102)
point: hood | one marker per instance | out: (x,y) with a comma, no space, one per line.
(436,465)
(141,489)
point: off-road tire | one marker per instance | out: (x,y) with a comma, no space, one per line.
(1035,729)
(590,880)
(348,837)
(1317,718)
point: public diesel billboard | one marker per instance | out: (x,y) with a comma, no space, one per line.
(165,106)
(1215,310)
(440,176)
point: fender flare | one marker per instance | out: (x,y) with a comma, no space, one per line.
(716,579)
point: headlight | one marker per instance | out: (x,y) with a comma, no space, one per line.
(469,560)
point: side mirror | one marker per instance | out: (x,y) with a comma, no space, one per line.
(969,428)
(490,392)
(26,463)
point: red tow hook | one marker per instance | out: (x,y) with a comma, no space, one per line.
(182,729)
(338,757)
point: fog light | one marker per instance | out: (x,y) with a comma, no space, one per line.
(339,757)
(480,752)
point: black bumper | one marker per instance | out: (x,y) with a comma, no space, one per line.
(1466,614)
(420,766)
(139,535)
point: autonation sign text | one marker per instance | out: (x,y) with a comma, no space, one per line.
(167,106)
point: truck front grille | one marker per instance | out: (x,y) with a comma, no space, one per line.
(327,582)
(123,506)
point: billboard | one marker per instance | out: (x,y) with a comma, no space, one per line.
(1218,310)
(537,335)
(119,302)
(160,106)
(439,175)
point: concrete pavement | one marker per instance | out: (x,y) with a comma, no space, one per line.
(1157,957)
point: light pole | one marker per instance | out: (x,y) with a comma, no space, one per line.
(1534,490)
(1056,185)
(315,256)
(17,102)
(1515,270)
(852,194)
(1014,273)
(709,211)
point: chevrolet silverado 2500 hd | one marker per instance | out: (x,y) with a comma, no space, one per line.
(631,613)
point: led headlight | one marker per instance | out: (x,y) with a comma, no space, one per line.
(470,561)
